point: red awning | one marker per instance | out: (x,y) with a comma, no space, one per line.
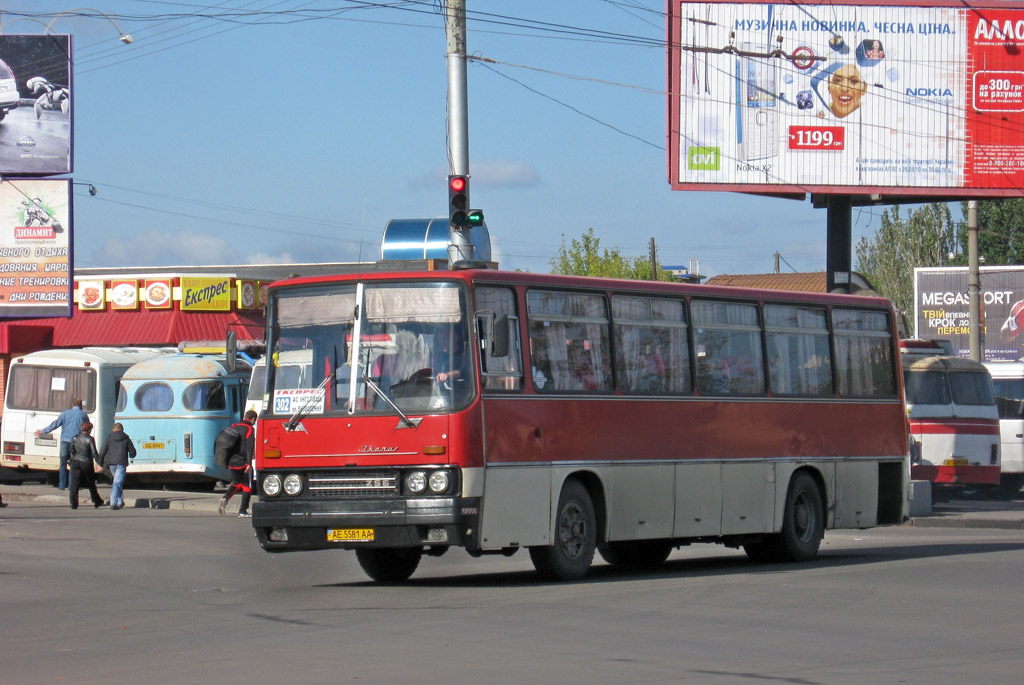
(143,327)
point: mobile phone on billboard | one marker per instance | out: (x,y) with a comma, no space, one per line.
(757,106)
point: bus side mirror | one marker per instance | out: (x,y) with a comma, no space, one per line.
(231,352)
(499,335)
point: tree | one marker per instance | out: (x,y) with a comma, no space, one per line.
(1001,234)
(928,237)
(584,257)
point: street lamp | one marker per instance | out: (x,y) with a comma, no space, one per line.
(126,38)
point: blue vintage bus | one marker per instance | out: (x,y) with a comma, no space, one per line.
(173,408)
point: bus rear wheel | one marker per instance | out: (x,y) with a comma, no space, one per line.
(642,553)
(389,565)
(570,556)
(803,526)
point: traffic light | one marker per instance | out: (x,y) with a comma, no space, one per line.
(458,200)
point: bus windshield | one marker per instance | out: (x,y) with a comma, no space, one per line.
(408,339)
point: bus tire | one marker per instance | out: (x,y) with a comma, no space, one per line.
(389,565)
(641,553)
(570,556)
(803,526)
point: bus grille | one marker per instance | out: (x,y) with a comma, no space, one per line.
(336,484)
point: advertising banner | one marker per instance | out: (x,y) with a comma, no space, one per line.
(35,104)
(35,255)
(898,98)
(941,307)
(206,294)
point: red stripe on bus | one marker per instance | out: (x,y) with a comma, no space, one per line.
(958,428)
(963,475)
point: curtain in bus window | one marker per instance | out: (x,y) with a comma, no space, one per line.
(316,309)
(424,304)
(799,359)
(51,389)
(864,361)
(971,388)
(652,354)
(728,344)
(569,342)
(204,396)
(154,397)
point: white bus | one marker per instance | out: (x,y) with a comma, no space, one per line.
(953,418)
(1008,379)
(42,384)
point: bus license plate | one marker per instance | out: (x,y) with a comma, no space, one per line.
(152,445)
(955,462)
(43,442)
(350,535)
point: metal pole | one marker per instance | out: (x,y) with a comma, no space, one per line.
(973,281)
(458,116)
(654,262)
(839,245)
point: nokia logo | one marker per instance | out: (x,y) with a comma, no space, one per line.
(929,92)
(373,448)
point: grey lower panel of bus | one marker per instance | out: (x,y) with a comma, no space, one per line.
(685,500)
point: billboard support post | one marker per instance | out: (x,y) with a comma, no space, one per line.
(973,281)
(838,263)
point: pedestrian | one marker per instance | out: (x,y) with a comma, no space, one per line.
(2,505)
(116,452)
(84,461)
(70,423)
(240,465)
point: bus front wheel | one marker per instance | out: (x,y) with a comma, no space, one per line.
(389,565)
(570,556)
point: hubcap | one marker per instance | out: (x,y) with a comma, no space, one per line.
(572,530)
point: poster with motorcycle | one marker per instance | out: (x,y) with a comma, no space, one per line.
(35,104)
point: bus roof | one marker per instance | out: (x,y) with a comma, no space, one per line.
(185,366)
(120,356)
(943,363)
(1005,369)
(560,281)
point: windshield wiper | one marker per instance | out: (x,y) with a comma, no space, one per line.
(411,423)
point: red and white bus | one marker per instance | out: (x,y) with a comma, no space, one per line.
(954,419)
(496,411)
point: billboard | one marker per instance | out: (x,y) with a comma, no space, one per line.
(941,307)
(35,104)
(35,248)
(905,98)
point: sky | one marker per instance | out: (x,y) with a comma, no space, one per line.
(280,131)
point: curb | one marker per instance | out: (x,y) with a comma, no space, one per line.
(177,503)
(966,522)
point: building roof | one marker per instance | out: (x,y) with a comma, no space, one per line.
(803,282)
(144,327)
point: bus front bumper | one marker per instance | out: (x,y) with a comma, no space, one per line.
(299,525)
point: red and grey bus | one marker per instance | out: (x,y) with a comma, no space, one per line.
(496,411)
(954,419)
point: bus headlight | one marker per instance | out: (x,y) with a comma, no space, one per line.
(416,481)
(292,484)
(438,481)
(272,486)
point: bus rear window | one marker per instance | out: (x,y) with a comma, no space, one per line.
(154,397)
(204,396)
(47,388)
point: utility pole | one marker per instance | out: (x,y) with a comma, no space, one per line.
(460,248)
(973,281)
(654,262)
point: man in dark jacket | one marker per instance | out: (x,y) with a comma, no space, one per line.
(83,462)
(116,452)
(240,464)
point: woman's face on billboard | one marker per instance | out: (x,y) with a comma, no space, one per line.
(846,89)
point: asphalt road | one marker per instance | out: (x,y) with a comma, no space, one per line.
(171,596)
